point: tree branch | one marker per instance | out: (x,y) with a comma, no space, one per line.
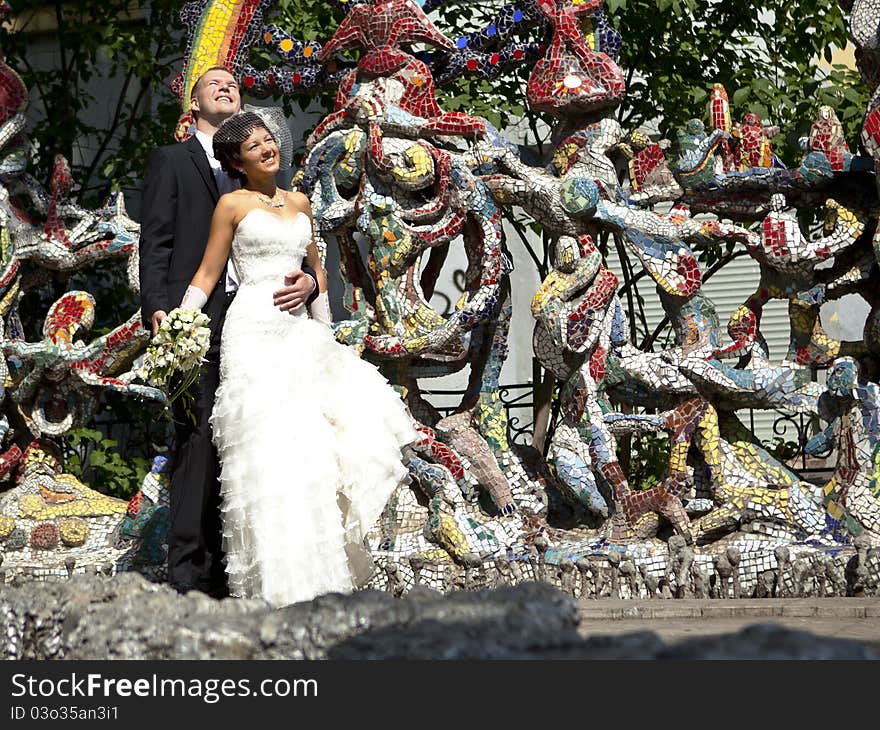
(120,103)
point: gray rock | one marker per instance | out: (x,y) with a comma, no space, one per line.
(651,581)
(127,617)
(586,572)
(768,641)
(701,581)
(782,556)
(723,571)
(567,576)
(765,583)
(733,557)
(630,577)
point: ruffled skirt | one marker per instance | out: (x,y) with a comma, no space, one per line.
(309,437)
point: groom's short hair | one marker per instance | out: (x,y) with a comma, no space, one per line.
(195,86)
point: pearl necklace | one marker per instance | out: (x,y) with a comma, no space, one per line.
(276,202)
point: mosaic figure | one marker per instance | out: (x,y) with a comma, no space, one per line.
(375,167)
(390,170)
(573,78)
(650,177)
(52,525)
(850,406)
(696,153)
(753,146)
(147,519)
(719,119)
(788,263)
(55,381)
(827,138)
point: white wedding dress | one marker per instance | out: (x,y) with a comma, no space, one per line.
(309,435)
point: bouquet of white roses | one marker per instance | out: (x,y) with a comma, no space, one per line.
(179,347)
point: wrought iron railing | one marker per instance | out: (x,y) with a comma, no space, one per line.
(518,401)
(812,466)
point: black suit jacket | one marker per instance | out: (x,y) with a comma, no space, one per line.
(180,194)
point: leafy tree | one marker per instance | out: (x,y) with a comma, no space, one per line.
(764,53)
(117,43)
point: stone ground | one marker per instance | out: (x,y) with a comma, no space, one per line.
(673,621)
(126,617)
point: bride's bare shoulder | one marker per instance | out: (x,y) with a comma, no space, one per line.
(235,199)
(235,204)
(300,202)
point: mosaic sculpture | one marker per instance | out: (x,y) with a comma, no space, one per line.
(389,167)
(51,524)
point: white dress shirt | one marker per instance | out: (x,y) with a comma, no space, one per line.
(225,184)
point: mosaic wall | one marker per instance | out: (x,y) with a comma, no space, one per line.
(389,167)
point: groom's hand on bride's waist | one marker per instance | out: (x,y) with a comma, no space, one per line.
(297,287)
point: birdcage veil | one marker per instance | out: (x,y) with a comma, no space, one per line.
(275,121)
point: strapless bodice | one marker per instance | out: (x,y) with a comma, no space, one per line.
(266,246)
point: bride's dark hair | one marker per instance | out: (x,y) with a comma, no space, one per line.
(229,137)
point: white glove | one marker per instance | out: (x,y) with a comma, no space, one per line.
(194,298)
(320,309)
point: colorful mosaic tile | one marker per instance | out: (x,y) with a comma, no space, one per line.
(391,170)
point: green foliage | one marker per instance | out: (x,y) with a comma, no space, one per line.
(95,459)
(502,100)
(305,20)
(766,55)
(84,43)
(650,456)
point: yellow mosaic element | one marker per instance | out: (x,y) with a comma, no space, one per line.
(211,45)
(436,556)
(352,148)
(88,502)
(830,346)
(451,538)
(875,479)
(420,165)
(678,456)
(73,530)
(836,213)
(286,45)
(492,421)
(7,525)
(561,156)
(501,195)
(38,456)
(733,498)
(832,506)
(65,333)
(587,27)
(12,294)
(30,505)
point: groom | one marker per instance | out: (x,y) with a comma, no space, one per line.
(182,186)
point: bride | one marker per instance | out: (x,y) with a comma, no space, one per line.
(297,500)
